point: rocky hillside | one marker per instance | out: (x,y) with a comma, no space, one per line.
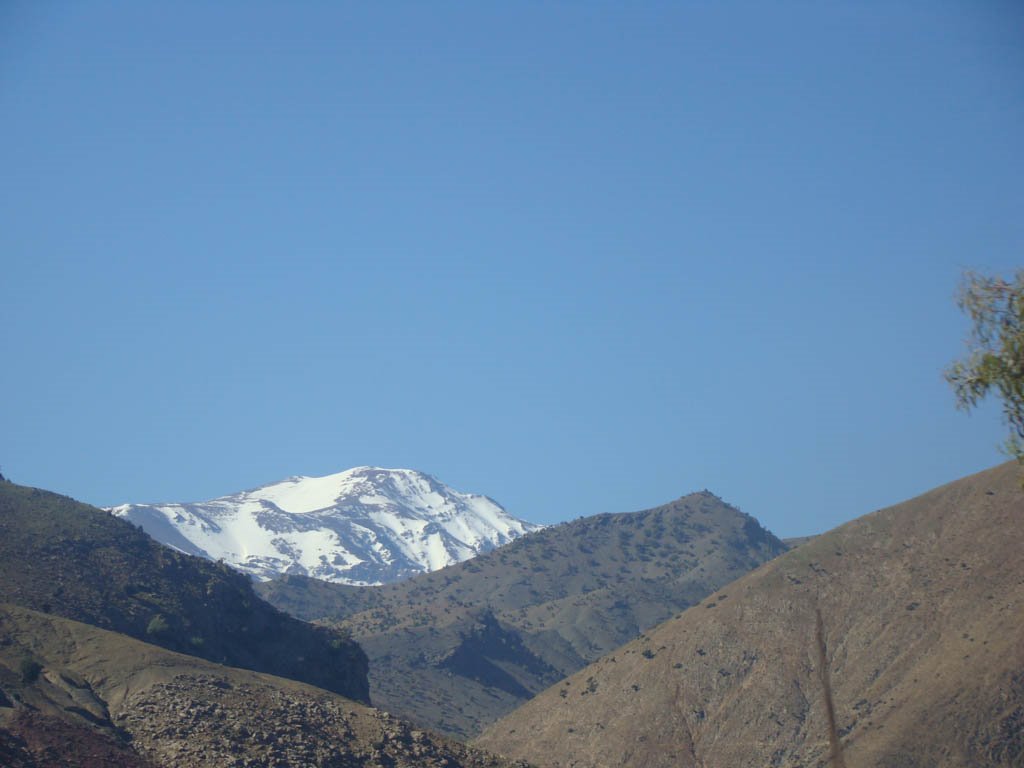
(66,558)
(921,610)
(72,694)
(366,525)
(456,649)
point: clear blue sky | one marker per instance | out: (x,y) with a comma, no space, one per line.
(580,257)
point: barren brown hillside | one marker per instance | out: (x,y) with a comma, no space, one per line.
(456,649)
(923,607)
(72,694)
(62,557)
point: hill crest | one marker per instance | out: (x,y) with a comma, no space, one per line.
(62,557)
(922,606)
(457,648)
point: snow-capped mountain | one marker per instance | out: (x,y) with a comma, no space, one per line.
(363,526)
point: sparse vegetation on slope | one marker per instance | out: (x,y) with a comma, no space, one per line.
(456,649)
(995,351)
(922,607)
(66,558)
(104,699)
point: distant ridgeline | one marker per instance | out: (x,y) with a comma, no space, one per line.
(118,652)
(455,649)
(362,526)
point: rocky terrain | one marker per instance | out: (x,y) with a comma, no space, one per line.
(920,639)
(72,694)
(456,649)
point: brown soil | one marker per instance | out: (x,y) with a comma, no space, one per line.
(923,609)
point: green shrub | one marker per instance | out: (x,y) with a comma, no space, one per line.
(157,626)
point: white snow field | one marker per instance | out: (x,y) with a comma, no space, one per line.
(366,525)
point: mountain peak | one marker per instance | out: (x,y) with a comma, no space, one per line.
(364,525)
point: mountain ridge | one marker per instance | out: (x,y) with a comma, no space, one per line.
(118,652)
(62,557)
(363,526)
(456,648)
(921,607)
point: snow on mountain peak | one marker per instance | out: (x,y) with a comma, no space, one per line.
(365,525)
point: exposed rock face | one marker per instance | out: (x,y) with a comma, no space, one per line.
(102,699)
(204,720)
(922,607)
(456,649)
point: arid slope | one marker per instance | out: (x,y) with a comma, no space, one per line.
(456,649)
(65,558)
(923,615)
(72,694)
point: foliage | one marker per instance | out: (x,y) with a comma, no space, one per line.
(995,356)
(29,669)
(157,625)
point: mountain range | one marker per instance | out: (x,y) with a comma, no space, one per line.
(118,652)
(905,625)
(892,641)
(68,559)
(455,649)
(366,525)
